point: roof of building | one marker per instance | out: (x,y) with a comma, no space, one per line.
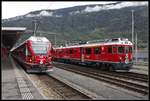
(13,28)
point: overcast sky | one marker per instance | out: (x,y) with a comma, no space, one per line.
(12,9)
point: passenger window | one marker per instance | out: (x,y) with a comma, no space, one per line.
(97,50)
(68,51)
(110,49)
(62,52)
(71,51)
(88,50)
(75,51)
(114,49)
(120,49)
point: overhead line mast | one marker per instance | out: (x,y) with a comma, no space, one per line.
(35,27)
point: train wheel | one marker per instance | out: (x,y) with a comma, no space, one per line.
(111,68)
(103,67)
(100,66)
(127,70)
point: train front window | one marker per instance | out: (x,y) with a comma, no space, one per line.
(126,49)
(130,49)
(121,49)
(40,48)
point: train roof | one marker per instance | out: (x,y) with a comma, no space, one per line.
(13,28)
(34,39)
(115,41)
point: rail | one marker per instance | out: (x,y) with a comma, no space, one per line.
(127,82)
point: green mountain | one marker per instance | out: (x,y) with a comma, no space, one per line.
(89,22)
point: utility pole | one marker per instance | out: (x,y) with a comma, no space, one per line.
(133,31)
(136,49)
(55,39)
(35,27)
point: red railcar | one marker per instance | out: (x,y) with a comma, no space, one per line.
(34,54)
(113,54)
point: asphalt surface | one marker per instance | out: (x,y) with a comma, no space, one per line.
(140,69)
(11,90)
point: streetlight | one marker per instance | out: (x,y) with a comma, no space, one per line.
(35,27)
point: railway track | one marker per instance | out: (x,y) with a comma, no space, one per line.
(131,81)
(142,78)
(52,88)
(55,89)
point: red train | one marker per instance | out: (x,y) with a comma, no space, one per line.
(113,54)
(34,54)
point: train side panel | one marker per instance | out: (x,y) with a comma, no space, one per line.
(116,54)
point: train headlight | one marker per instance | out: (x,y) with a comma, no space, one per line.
(50,62)
(41,62)
(30,60)
(120,58)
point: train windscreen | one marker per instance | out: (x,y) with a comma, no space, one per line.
(40,48)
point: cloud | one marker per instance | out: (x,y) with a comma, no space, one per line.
(117,6)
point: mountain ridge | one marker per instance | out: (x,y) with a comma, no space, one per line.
(72,24)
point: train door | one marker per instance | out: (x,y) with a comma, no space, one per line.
(109,54)
(74,53)
(96,53)
(115,54)
(77,53)
(82,54)
(88,53)
(127,56)
(103,53)
(130,53)
(71,52)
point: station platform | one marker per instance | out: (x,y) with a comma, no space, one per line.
(15,84)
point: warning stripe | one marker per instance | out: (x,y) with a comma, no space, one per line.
(23,87)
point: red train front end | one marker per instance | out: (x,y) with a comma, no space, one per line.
(35,54)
